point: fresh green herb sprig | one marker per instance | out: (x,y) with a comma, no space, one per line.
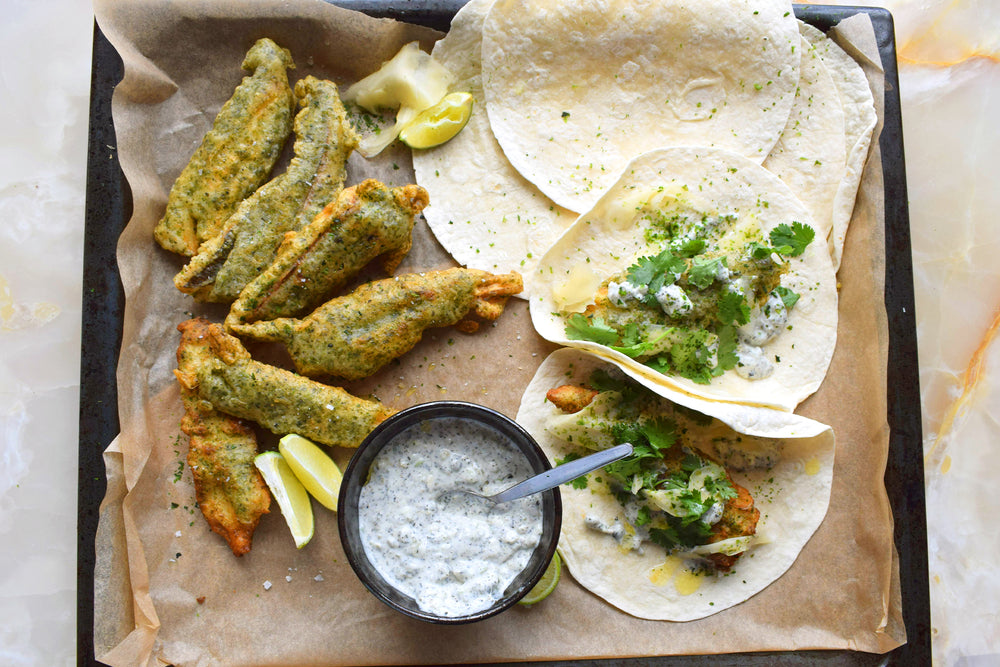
(700,344)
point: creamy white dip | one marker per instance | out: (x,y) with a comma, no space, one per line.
(454,555)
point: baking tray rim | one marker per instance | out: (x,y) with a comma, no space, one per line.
(108,209)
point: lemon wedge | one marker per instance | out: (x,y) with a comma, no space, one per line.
(291,496)
(317,471)
(439,123)
(410,82)
(546,584)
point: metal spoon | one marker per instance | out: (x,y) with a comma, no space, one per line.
(553,477)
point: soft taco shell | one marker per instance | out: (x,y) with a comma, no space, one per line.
(810,156)
(792,496)
(860,119)
(603,242)
(484,213)
(577,88)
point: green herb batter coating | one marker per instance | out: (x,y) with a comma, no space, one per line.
(236,154)
(354,335)
(249,241)
(366,221)
(221,372)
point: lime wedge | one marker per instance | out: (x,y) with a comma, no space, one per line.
(546,584)
(436,125)
(291,495)
(317,471)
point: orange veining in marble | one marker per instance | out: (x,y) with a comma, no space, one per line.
(970,379)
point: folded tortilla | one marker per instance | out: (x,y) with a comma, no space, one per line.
(860,120)
(606,240)
(577,88)
(785,461)
(484,213)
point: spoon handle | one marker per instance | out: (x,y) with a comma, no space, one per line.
(563,473)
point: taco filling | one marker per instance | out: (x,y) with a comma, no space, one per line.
(698,271)
(670,493)
(706,303)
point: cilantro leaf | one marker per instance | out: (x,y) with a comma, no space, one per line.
(759,250)
(690,247)
(791,241)
(733,308)
(787,296)
(661,433)
(635,348)
(690,358)
(725,355)
(602,380)
(643,516)
(703,272)
(678,533)
(663,268)
(719,488)
(578,327)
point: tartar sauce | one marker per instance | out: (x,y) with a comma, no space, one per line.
(454,555)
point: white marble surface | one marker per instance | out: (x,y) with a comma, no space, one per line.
(949,53)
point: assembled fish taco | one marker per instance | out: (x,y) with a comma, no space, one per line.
(707,511)
(697,271)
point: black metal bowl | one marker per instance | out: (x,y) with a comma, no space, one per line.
(357,473)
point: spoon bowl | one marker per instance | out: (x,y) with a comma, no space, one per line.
(551,478)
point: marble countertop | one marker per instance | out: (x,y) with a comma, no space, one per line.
(949,71)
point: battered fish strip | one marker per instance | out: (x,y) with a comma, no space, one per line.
(221,372)
(229,489)
(739,516)
(366,221)
(235,156)
(248,242)
(355,335)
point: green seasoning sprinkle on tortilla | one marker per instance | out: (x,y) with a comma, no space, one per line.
(703,305)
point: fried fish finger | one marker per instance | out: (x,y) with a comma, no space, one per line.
(228,487)
(366,221)
(236,154)
(221,371)
(355,335)
(249,240)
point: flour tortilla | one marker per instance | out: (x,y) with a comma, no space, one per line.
(602,242)
(577,88)
(810,157)
(792,506)
(859,123)
(484,213)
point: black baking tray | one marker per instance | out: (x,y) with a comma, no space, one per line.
(109,207)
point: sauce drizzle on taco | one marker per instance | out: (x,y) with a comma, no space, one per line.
(705,303)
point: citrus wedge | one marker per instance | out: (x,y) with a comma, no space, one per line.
(546,584)
(439,123)
(291,496)
(317,471)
